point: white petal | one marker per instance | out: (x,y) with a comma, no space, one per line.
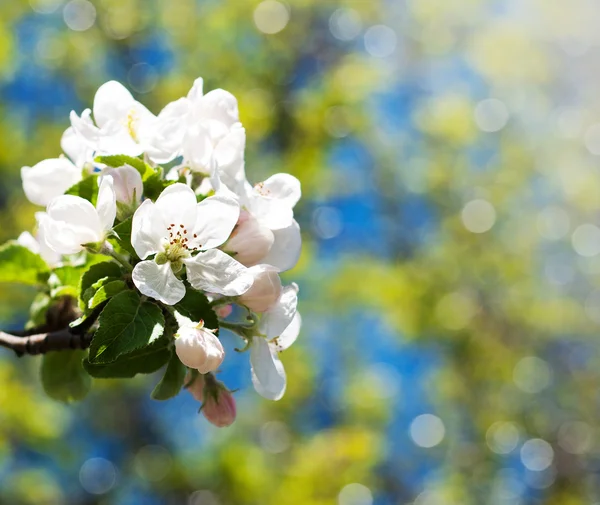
(106,205)
(48,179)
(111,103)
(286,248)
(177,205)
(219,105)
(147,230)
(158,282)
(289,335)
(196,92)
(198,150)
(49,256)
(167,137)
(217,272)
(75,147)
(268,374)
(280,316)
(84,127)
(77,212)
(216,217)
(27,240)
(283,187)
(229,155)
(270,212)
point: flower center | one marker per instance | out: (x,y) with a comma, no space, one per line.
(131,118)
(178,246)
(261,190)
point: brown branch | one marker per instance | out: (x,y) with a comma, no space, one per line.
(42,343)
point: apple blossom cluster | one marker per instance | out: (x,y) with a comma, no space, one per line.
(153,231)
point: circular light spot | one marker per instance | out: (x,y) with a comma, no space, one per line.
(592,139)
(153,463)
(532,374)
(271,16)
(478,216)
(491,115)
(502,437)
(575,437)
(553,223)
(537,454)
(203,497)
(586,240)
(380,41)
(345,24)
(79,15)
(275,437)
(427,430)
(327,222)
(142,77)
(45,6)
(355,494)
(97,476)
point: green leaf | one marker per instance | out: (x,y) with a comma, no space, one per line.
(172,381)
(123,238)
(63,376)
(119,160)
(18,264)
(146,360)
(37,311)
(86,188)
(96,272)
(107,290)
(195,306)
(125,324)
(64,281)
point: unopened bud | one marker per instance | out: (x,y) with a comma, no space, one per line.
(219,407)
(224,311)
(197,347)
(127,183)
(250,241)
(195,385)
(265,290)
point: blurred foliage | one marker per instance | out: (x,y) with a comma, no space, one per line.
(451,263)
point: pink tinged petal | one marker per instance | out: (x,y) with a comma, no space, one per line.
(111,103)
(158,282)
(283,187)
(280,315)
(250,241)
(177,205)
(199,348)
(128,184)
(48,179)
(285,251)
(289,335)
(268,374)
(216,217)
(106,205)
(265,290)
(219,105)
(220,411)
(216,272)
(147,230)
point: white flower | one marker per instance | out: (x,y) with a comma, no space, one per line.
(77,150)
(175,227)
(49,179)
(250,241)
(265,290)
(38,243)
(197,347)
(73,221)
(280,326)
(270,207)
(123,125)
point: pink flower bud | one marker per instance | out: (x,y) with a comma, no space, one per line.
(196,388)
(219,408)
(127,183)
(250,241)
(224,311)
(265,291)
(197,347)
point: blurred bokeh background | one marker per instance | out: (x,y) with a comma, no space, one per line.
(450,278)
